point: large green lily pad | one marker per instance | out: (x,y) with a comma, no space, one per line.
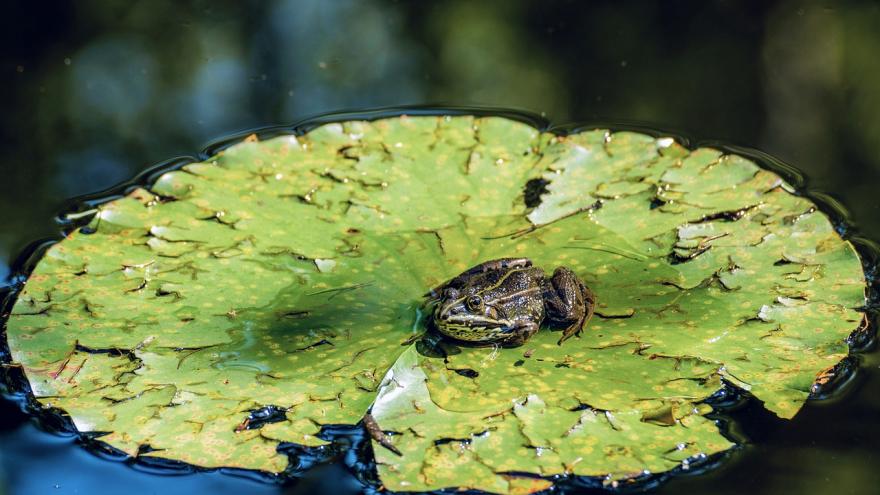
(290,272)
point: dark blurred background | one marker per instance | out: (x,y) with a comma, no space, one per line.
(97,90)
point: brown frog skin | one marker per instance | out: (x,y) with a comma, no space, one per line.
(505,301)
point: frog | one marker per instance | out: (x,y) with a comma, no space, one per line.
(505,301)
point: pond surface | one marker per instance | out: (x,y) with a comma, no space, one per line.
(100,90)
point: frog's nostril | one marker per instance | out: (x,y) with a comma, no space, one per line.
(447,311)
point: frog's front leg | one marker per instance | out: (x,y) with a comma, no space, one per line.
(568,302)
(520,333)
(486,266)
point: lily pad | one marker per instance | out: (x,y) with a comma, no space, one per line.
(287,275)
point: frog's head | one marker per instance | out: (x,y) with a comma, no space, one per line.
(468,315)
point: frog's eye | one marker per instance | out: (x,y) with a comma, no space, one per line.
(474,302)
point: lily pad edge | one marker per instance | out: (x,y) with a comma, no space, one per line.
(74,215)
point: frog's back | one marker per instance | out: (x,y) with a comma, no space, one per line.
(518,293)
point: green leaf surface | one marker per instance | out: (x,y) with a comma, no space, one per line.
(290,272)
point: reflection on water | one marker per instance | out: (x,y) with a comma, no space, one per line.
(97,90)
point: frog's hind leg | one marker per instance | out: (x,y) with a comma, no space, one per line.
(568,302)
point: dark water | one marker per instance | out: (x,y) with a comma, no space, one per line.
(95,91)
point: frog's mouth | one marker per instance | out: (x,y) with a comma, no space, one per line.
(476,328)
(472,321)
